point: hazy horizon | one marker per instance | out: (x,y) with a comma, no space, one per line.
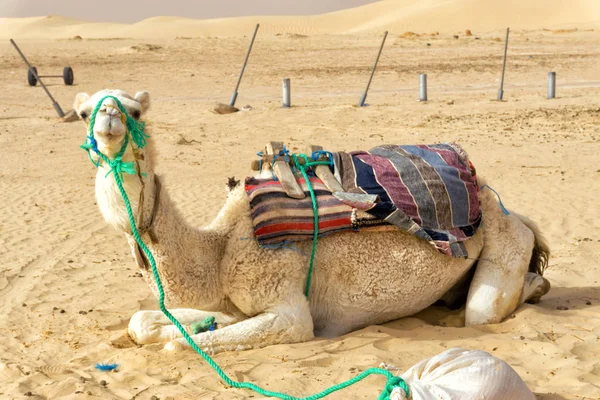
(134,11)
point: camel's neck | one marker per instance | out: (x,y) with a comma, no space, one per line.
(140,189)
(187,258)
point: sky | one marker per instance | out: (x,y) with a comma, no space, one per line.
(137,10)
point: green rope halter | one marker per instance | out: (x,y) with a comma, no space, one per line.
(136,130)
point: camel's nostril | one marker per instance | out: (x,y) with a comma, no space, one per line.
(112,111)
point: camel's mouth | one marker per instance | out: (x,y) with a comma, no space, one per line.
(109,136)
(109,125)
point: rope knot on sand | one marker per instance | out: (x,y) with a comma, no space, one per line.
(395,389)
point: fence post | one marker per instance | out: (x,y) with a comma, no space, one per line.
(286,88)
(237,86)
(423,87)
(363,98)
(551,85)
(501,90)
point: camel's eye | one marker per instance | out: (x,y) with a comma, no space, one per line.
(83,115)
(136,114)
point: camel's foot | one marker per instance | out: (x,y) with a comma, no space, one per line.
(534,288)
(152,326)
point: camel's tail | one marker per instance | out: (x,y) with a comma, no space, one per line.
(541,249)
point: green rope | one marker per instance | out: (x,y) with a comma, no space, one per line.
(203,326)
(303,167)
(392,381)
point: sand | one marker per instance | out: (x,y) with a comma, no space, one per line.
(68,285)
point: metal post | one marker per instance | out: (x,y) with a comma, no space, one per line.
(286,86)
(551,85)
(363,98)
(501,90)
(235,91)
(423,87)
(55,104)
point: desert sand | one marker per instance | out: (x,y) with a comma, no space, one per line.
(68,284)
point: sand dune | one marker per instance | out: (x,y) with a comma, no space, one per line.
(395,15)
(480,15)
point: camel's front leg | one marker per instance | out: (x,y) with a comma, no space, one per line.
(152,326)
(282,325)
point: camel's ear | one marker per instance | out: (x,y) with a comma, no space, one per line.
(144,99)
(79,100)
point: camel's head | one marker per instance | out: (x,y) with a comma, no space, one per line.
(109,129)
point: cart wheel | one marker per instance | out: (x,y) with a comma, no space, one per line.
(68,76)
(31,77)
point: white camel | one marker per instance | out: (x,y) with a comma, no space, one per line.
(257,294)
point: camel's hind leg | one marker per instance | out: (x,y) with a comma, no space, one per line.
(499,284)
(152,326)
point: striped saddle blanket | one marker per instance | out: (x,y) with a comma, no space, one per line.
(279,219)
(429,191)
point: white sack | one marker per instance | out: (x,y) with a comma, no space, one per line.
(460,374)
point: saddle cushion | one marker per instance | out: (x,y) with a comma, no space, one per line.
(428,190)
(279,219)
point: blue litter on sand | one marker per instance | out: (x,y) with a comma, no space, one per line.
(106,367)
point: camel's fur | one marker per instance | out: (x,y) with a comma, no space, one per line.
(256,294)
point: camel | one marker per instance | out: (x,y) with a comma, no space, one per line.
(256,294)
